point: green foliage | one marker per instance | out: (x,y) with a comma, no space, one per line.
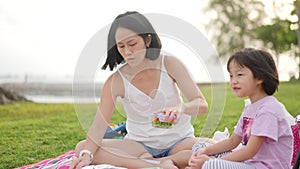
(31,132)
(278,36)
(236,24)
(232,23)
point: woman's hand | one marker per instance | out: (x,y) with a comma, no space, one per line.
(171,114)
(80,162)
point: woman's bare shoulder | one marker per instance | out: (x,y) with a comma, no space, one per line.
(114,83)
(172,62)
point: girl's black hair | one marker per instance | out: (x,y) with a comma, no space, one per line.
(137,23)
(261,64)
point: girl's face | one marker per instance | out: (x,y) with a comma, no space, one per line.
(243,82)
(131,46)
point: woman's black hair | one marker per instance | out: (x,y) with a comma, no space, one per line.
(137,23)
(261,64)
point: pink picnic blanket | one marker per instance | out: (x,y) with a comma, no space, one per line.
(61,162)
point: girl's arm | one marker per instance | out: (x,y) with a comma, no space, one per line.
(196,102)
(202,155)
(248,151)
(223,146)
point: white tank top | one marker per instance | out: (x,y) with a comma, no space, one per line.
(139,107)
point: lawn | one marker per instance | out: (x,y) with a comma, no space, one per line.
(31,132)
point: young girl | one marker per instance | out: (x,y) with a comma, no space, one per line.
(262,128)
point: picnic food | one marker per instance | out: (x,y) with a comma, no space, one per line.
(158,121)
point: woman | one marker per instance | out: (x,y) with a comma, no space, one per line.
(147,83)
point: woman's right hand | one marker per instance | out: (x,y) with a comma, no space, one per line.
(80,162)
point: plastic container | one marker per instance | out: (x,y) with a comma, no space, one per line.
(158,121)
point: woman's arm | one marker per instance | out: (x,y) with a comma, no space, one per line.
(196,102)
(106,108)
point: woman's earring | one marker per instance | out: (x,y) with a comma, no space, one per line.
(149,40)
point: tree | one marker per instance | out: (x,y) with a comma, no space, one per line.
(237,24)
(233,23)
(297,11)
(282,35)
(278,36)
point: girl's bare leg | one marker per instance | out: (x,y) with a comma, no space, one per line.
(183,151)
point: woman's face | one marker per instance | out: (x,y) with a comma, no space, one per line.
(131,46)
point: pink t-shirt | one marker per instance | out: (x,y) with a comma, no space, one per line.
(266,117)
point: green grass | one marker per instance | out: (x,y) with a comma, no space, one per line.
(31,132)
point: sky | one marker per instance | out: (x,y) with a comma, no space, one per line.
(46,37)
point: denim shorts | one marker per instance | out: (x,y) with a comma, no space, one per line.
(158,153)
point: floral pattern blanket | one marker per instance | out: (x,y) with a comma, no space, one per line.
(61,162)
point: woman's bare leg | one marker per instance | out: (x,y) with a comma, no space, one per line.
(102,156)
(125,153)
(118,146)
(188,143)
(129,153)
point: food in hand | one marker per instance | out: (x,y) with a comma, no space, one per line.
(158,121)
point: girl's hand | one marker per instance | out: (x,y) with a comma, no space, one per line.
(80,162)
(200,152)
(197,160)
